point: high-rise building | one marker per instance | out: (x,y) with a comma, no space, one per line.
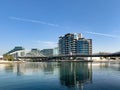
(70,44)
(84,46)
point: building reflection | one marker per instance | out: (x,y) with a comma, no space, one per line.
(8,68)
(48,68)
(32,68)
(115,65)
(29,68)
(75,74)
(18,70)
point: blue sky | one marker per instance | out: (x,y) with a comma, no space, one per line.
(39,23)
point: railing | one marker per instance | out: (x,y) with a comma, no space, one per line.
(73,55)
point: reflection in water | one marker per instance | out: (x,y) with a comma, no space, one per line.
(18,68)
(75,74)
(9,68)
(29,68)
(104,65)
(60,76)
(107,65)
(48,68)
(72,74)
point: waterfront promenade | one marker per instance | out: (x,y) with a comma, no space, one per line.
(94,61)
(10,62)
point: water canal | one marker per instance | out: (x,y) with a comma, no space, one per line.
(60,76)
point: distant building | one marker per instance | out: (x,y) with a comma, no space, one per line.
(74,44)
(47,52)
(56,51)
(1,57)
(34,52)
(16,52)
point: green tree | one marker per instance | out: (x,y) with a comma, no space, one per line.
(8,57)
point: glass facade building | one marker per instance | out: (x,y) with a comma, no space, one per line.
(70,44)
(84,46)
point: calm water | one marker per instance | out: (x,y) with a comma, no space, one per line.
(60,76)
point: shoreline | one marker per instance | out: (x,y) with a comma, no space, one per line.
(10,62)
(94,61)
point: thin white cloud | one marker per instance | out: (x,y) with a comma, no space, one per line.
(116,31)
(102,34)
(35,21)
(47,44)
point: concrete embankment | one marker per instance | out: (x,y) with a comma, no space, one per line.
(104,61)
(9,62)
(94,61)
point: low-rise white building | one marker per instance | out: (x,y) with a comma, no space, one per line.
(17,52)
(1,57)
